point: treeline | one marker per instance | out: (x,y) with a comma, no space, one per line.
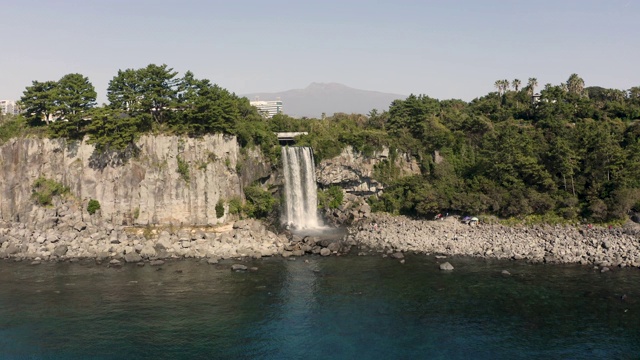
(570,152)
(152,99)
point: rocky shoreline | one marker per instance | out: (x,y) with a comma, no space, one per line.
(65,232)
(598,246)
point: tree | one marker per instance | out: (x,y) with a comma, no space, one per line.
(516,84)
(76,95)
(575,85)
(125,91)
(159,92)
(531,85)
(39,101)
(205,107)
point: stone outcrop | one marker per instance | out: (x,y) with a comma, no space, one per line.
(144,189)
(354,171)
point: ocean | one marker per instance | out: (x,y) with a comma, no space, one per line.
(347,307)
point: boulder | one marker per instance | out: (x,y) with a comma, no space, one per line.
(12,249)
(446,266)
(148,251)
(238,267)
(60,250)
(156,263)
(325,252)
(132,257)
(80,225)
(397,255)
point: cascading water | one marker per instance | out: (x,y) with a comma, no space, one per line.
(300,210)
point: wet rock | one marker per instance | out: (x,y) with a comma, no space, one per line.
(156,262)
(325,252)
(238,267)
(397,255)
(446,266)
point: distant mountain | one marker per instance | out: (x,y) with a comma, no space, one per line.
(328,98)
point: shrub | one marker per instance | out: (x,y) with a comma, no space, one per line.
(183,169)
(260,202)
(45,189)
(93,206)
(330,198)
(220,209)
(235,206)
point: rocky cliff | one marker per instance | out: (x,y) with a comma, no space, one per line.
(354,171)
(145,189)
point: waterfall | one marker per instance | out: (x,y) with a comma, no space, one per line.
(300,210)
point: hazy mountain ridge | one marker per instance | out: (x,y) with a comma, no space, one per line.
(328,98)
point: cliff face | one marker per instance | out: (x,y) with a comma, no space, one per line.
(354,171)
(145,189)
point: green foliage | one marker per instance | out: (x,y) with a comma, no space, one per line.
(45,189)
(260,202)
(136,213)
(220,208)
(183,169)
(93,206)
(11,127)
(235,206)
(330,198)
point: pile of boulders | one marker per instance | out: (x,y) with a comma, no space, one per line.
(64,232)
(584,244)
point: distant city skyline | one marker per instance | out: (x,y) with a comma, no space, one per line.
(453,49)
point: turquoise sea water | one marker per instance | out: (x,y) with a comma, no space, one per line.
(339,307)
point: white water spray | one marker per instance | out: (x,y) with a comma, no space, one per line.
(300,210)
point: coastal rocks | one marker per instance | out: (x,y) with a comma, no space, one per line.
(102,240)
(542,243)
(238,267)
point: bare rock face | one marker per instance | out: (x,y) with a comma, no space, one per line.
(145,189)
(353,171)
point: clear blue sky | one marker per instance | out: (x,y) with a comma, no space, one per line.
(445,49)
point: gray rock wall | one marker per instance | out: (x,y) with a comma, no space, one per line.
(354,171)
(145,189)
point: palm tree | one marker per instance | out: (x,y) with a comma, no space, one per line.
(531,84)
(516,84)
(575,84)
(505,84)
(498,85)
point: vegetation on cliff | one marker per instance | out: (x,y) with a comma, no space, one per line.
(569,152)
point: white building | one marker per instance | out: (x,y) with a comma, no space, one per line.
(268,108)
(8,107)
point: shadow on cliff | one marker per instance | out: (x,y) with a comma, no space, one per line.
(101,158)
